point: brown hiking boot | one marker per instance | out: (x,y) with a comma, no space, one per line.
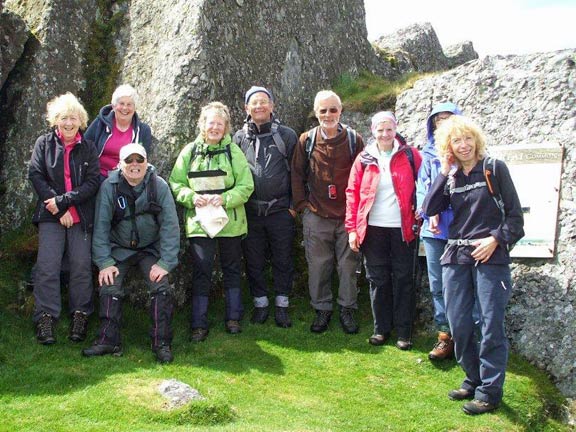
(443,348)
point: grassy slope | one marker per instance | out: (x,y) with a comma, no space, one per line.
(266,379)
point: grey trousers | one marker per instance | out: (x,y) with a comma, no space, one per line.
(326,244)
(53,240)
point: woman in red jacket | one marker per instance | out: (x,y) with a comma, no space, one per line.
(379,219)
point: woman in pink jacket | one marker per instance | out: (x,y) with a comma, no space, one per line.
(379,220)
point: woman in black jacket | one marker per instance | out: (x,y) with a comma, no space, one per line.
(476,258)
(64,172)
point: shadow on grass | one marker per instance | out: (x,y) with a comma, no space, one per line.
(28,368)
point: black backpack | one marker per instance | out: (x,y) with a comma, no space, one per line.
(124,197)
(491,179)
(249,137)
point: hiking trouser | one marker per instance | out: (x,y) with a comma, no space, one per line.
(203,252)
(324,240)
(484,363)
(53,240)
(110,314)
(274,234)
(434,250)
(161,312)
(388,261)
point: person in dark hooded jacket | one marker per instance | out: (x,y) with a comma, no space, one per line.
(268,147)
(434,231)
(64,174)
(118,124)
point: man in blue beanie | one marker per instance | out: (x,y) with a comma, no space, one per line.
(268,147)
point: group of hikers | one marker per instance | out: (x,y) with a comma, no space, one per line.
(101,202)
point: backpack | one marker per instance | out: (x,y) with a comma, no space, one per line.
(490,181)
(123,200)
(249,137)
(311,141)
(489,170)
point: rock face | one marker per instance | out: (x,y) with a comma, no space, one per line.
(50,64)
(180,55)
(13,36)
(522,99)
(417,48)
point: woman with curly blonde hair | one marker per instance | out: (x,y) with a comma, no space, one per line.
(476,258)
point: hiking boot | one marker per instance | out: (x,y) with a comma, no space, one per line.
(163,353)
(78,326)
(45,330)
(100,349)
(378,339)
(347,320)
(199,334)
(320,324)
(443,348)
(461,394)
(259,315)
(233,327)
(281,317)
(475,407)
(403,344)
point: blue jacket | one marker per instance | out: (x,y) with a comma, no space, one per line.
(429,171)
(101,129)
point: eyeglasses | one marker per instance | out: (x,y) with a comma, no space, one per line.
(332,110)
(135,158)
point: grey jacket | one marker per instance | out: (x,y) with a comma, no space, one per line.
(158,235)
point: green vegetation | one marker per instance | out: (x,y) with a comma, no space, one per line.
(265,379)
(102,63)
(368,93)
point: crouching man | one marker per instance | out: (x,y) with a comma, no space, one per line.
(135,224)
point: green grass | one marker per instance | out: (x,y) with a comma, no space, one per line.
(265,379)
(368,93)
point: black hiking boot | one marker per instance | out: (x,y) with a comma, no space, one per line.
(320,324)
(163,353)
(347,320)
(259,315)
(281,317)
(100,350)
(45,330)
(78,326)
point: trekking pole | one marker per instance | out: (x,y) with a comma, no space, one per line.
(416,230)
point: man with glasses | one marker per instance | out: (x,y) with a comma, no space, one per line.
(135,224)
(320,167)
(268,147)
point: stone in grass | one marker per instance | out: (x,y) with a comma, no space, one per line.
(178,393)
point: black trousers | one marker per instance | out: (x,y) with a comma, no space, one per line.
(388,261)
(271,234)
(203,250)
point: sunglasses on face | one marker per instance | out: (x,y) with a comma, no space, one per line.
(332,110)
(135,158)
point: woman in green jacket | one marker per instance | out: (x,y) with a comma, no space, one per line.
(212,180)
